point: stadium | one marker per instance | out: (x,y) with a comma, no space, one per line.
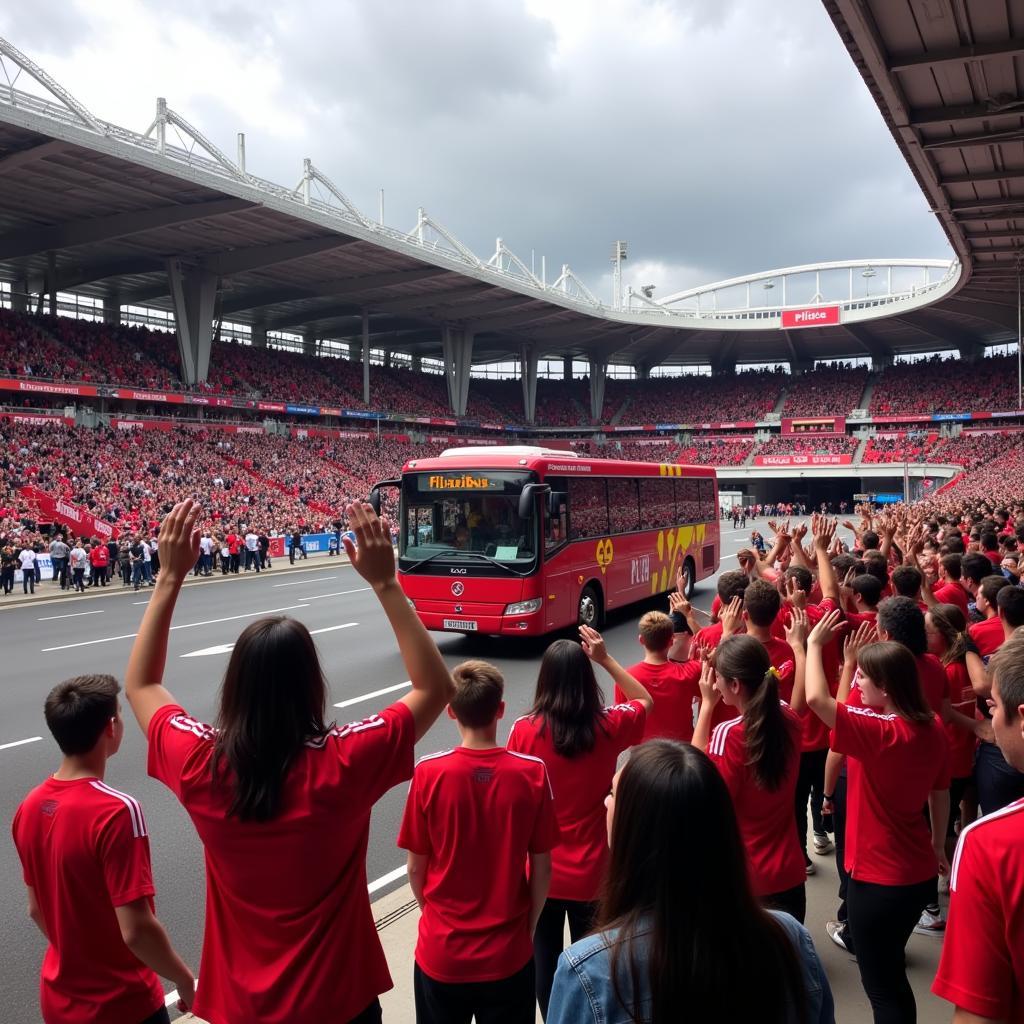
(176,328)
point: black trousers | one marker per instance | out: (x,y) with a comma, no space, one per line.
(810,785)
(160,1017)
(839,820)
(790,901)
(508,1001)
(882,918)
(998,783)
(7,579)
(549,940)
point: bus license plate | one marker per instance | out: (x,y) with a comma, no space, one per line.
(466,624)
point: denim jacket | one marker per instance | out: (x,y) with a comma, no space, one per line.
(583,992)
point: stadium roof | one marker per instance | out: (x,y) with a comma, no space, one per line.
(90,207)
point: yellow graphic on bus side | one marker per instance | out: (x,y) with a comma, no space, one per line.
(669,469)
(604,554)
(671,549)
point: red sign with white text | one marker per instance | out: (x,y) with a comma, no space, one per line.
(47,387)
(803,460)
(81,520)
(37,419)
(813,316)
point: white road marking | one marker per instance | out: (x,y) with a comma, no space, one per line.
(301,583)
(141,602)
(20,743)
(331,629)
(376,693)
(337,593)
(387,879)
(206,652)
(186,625)
(71,615)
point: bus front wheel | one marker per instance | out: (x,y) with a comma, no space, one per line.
(689,578)
(590,608)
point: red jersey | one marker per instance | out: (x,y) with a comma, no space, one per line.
(982,965)
(580,785)
(84,851)
(765,818)
(952,593)
(893,766)
(675,688)
(961,742)
(781,655)
(988,635)
(475,924)
(99,557)
(934,681)
(707,639)
(273,950)
(815,731)
(857,619)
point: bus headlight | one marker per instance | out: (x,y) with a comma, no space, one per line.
(524,607)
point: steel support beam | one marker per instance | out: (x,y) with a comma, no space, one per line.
(457,344)
(960,55)
(193,294)
(365,324)
(430,300)
(981,139)
(29,241)
(528,357)
(598,378)
(255,257)
(310,316)
(23,157)
(956,114)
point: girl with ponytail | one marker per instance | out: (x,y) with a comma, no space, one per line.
(758,755)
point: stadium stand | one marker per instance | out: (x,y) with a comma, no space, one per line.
(828,390)
(946,385)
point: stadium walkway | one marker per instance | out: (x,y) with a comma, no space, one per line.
(396,916)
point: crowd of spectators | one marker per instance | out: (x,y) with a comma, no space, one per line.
(749,395)
(818,444)
(905,447)
(828,390)
(946,385)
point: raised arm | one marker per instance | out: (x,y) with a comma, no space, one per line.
(824,531)
(179,549)
(796,637)
(594,647)
(709,698)
(820,700)
(373,558)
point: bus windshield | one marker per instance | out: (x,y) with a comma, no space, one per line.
(466,516)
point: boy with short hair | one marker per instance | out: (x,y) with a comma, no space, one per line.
(85,857)
(474,817)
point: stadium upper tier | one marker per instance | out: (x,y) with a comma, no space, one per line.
(34,350)
(165,218)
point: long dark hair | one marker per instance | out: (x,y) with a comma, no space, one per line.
(272,702)
(678,903)
(768,739)
(891,667)
(951,624)
(568,700)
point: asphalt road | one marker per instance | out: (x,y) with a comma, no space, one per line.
(48,641)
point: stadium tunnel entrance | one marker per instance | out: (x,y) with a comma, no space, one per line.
(812,490)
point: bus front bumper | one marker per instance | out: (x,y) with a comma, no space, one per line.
(478,618)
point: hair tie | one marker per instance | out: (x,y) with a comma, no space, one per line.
(773,671)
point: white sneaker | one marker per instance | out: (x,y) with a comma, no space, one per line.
(930,924)
(822,844)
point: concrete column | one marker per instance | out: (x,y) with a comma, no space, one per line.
(528,373)
(417,364)
(193,296)
(387,360)
(19,296)
(880,362)
(567,368)
(308,342)
(458,358)
(643,372)
(259,336)
(970,353)
(724,365)
(598,375)
(354,352)
(795,366)
(111,309)
(51,281)
(366,358)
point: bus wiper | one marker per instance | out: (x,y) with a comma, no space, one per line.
(449,552)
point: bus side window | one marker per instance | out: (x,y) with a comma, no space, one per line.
(687,501)
(588,507)
(622,505)
(657,508)
(708,500)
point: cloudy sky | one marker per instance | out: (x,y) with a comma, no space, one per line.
(719,137)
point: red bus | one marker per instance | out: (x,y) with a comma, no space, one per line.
(524,540)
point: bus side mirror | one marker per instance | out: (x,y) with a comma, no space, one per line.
(374,496)
(556,499)
(530,491)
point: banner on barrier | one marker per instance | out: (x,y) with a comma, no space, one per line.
(803,460)
(81,520)
(47,387)
(37,419)
(815,425)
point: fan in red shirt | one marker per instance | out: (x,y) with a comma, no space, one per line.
(758,755)
(99,559)
(898,760)
(579,740)
(673,685)
(731,585)
(280,798)
(474,953)
(84,852)
(866,592)
(949,589)
(990,634)
(982,967)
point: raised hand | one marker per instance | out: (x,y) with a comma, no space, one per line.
(593,644)
(865,634)
(825,631)
(371,554)
(824,529)
(708,691)
(794,595)
(796,631)
(179,541)
(679,603)
(732,617)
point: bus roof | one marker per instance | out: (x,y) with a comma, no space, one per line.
(551,461)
